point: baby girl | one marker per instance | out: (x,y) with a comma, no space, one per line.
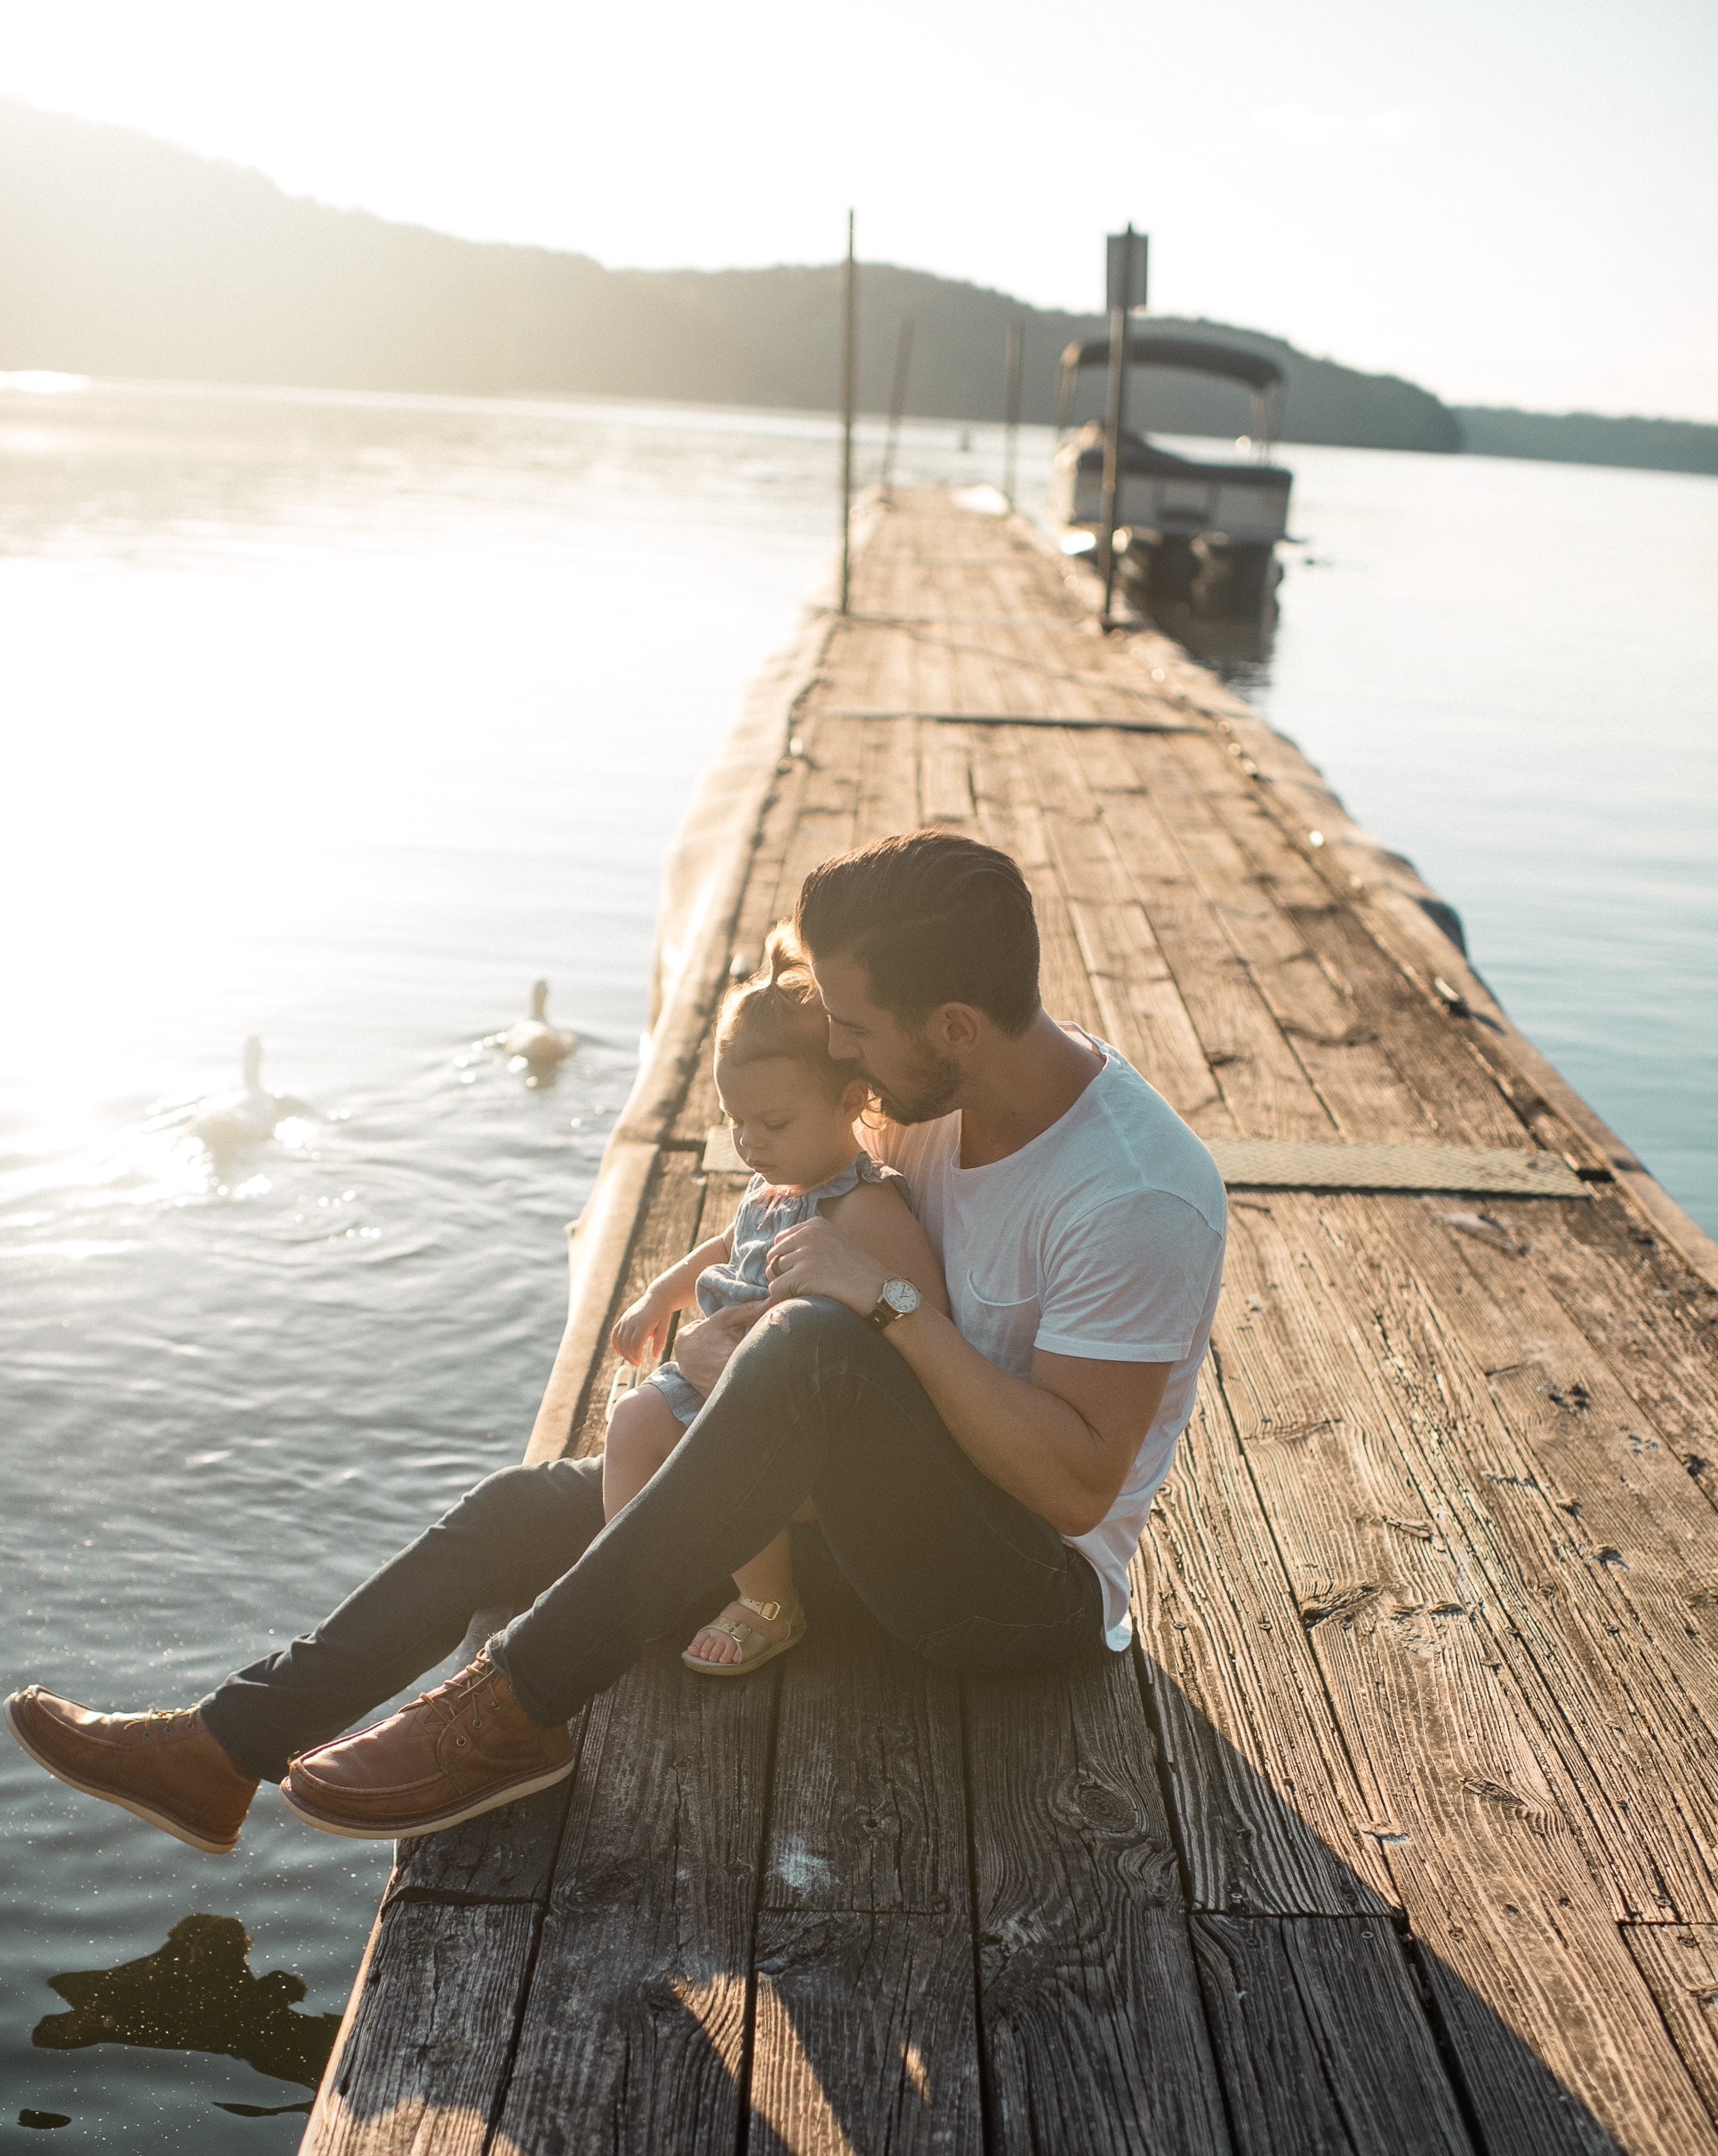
(792,1107)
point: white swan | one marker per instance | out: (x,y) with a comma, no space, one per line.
(247,1116)
(534,1042)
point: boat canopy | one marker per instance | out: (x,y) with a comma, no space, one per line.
(1196,355)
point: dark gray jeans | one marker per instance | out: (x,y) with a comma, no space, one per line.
(813,1404)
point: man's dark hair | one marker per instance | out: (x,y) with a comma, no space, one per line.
(933,919)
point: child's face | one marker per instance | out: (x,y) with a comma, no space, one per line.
(786,1128)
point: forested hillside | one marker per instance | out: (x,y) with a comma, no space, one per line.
(122,255)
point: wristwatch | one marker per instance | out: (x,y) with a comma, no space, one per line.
(899,1299)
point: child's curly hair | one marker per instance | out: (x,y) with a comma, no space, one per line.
(776,1012)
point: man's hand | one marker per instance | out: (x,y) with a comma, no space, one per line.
(816,1259)
(702,1350)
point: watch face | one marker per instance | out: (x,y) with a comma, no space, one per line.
(901,1295)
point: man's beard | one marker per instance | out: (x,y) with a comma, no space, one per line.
(928,1092)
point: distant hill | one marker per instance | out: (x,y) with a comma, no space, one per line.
(1585,438)
(122,255)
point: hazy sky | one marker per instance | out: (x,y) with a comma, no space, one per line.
(1510,200)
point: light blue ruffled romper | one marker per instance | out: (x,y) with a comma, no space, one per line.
(765,1213)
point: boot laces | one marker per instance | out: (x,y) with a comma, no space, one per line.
(475,1684)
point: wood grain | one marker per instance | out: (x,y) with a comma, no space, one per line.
(1599,1551)
(425,2059)
(1481,1814)
(1260,1078)
(869,1811)
(1271,1813)
(635,2029)
(866,2021)
(865,2037)
(1679,1963)
(1089,1999)
(1323,2042)
(506,1856)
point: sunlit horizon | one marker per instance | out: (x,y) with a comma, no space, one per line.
(1506,209)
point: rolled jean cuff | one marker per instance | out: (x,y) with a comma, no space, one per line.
(535,1710)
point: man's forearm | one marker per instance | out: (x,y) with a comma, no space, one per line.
(1026,1441)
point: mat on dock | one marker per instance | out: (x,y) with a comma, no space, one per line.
(1398,1830)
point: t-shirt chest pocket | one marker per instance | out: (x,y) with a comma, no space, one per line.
(998,1318)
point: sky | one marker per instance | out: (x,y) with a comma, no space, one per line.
(1510,201)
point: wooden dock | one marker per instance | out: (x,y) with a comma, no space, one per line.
(1399,1830)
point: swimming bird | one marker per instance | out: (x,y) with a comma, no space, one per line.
(248,1115)
(534,1042)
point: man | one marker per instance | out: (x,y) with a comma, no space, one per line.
(980,1482)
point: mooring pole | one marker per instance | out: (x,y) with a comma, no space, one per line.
(1011,411)
(849,355)
(1126,281)
(898,398)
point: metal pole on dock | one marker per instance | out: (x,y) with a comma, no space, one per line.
(898,398)
(1126,268)
(1011,411)
(849,355)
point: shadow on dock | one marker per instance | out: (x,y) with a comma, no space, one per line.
(866,1907)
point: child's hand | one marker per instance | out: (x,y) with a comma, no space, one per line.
(642,1330)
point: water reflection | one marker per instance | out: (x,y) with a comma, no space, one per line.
(198,1993)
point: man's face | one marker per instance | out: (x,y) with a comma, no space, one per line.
(912,1079)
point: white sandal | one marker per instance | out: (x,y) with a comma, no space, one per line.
(756,1647)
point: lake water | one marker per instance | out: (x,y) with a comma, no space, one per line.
(337,720)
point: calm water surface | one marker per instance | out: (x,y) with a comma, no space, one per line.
(337,720)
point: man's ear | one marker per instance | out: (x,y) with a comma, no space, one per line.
(953,1029)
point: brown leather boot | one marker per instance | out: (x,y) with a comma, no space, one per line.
(163,1766)
(465,1747)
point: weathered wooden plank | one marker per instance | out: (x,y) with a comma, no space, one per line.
(1679,1963)
(868,1811)
(1334,1040)
(888,780)
(824,825)
(1654,1322)
(1321,2041)
(1088,1999)
(945,761)
(1271,1815)
(1267,1091)
(508,1856)
(1600,1552)
(865,2010)
(866,2038)
(1009,817)
(1461,1097)
(1138,998)
(1480,1832)
(426,2056)
(633,2034)
(1456,1096)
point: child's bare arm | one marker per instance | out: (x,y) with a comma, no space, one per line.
(879,1219)
(643,1329)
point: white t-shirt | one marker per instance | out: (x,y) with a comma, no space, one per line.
(1102,1237)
